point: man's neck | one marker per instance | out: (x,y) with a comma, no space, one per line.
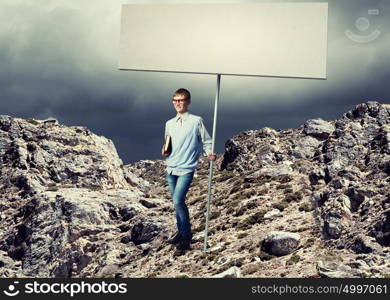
(181,114)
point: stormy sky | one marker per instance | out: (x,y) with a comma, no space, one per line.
(58,58)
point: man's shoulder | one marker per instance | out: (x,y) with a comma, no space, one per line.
(194,117)
(170,120)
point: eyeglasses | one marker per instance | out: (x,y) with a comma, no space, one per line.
(178,101)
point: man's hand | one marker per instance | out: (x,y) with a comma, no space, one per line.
(163,153)
(212,156)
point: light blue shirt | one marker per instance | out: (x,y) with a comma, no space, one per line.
(189,140)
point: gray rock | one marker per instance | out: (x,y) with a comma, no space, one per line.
(359,264)
(381,229)
(50,120)
(7,263)
(127,213)
(319,198)
(332,270)
(365,244)
(339,183)
(306,147)
(53,227)
(333,225)
(216,249)
(357,197)
(69,208)
(5,122)
(318,128)
(148,203)
(316,175)
(233,272)
(280,243)
(145,231)
(278,169)
(272,214)
(108,271)
(370,108)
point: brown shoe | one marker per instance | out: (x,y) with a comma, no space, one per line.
(178,252)
(184,243)
(175,238)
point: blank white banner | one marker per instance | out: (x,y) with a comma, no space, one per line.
(271,39)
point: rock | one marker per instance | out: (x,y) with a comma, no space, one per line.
(153,170)
(216,249)
(319,198)
(50,120)
(6,262)
(108,271)
(306,147)
(198,237)
(272,214)
(127,213)
(333,225)
(126,239)
(70,208)
(318,128)
(345,203)
(281,169)
(339,183)
(357,197)
(233,272)
(5,122)
(62,155)
(381,228)
(316,175)
(55,225)
(223,260)
(332,270)
(365,244)
(232,150)
(144,232)
(370,108)
(147,203)
(359,264)
(280,243)
(135,180)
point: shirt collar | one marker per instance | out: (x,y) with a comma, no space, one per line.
(183,116)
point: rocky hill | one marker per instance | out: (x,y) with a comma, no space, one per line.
(307,202)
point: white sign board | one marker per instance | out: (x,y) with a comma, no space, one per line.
(261,39)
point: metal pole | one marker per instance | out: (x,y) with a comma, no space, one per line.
(211,163)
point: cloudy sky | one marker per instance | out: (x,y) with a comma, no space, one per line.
(58,58)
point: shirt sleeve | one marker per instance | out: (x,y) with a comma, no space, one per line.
(205,137)
(166,131)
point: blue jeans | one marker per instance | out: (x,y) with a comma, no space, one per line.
(179,185)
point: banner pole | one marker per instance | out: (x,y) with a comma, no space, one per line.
(211,162)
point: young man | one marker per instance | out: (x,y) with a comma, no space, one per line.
(189,137)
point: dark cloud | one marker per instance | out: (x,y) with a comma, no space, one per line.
(58,59)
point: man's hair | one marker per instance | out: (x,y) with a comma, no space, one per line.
(183,92)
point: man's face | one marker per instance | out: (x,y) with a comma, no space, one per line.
(180,103)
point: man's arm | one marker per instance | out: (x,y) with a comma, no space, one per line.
(206,140)
(165,136)
(205,137)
